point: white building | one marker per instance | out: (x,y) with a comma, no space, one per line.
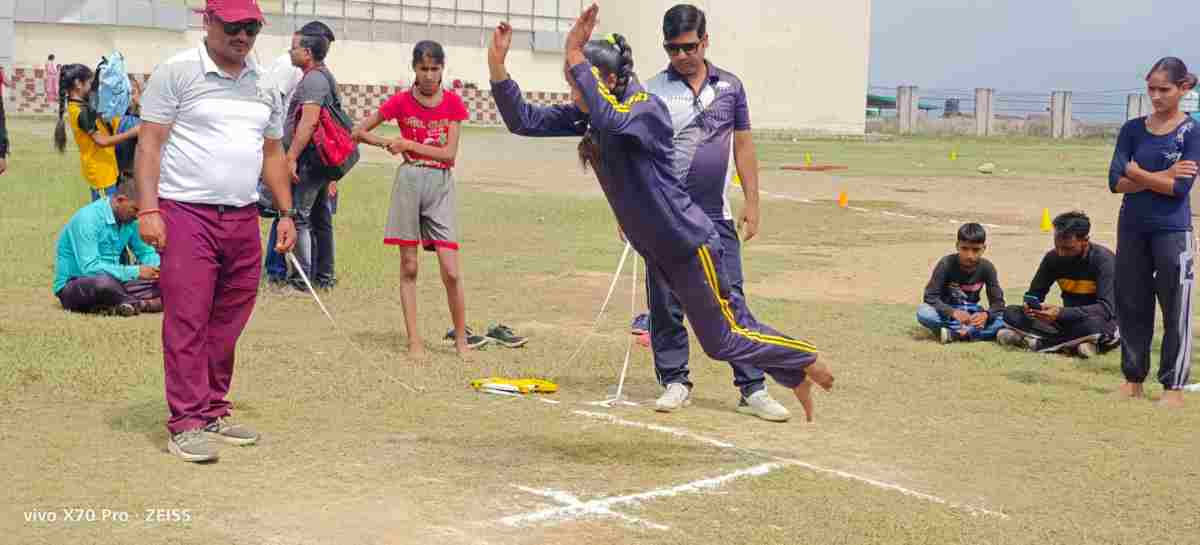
(804,62)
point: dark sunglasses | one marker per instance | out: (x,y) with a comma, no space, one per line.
(688,48)
(251,27)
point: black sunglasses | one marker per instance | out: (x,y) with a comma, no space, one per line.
(676,48)
(251,27)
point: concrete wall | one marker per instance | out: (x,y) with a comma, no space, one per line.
(353,62)
(804,62)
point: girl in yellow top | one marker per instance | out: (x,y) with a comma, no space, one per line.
(96,139)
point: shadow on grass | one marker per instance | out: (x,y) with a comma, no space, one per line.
(1039,378)
(149,419)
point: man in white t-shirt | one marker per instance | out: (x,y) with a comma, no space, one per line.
(211,127)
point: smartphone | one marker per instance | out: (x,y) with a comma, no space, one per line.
(1033,302)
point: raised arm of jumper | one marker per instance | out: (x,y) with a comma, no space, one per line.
(527,119)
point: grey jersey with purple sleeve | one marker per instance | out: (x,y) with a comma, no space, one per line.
(635,169)
(704,125)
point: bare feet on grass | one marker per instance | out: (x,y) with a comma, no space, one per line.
(1171,399)
(416,350)
(818,373)
(1130,390)
(464,351)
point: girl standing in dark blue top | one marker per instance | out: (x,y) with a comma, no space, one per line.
(628,142)
(1154,166)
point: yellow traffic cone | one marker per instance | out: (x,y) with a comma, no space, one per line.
(953,155)
(1047,226)
(808,159)
(843,200)
(737,179)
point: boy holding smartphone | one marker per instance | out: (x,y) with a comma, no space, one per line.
(1083,270)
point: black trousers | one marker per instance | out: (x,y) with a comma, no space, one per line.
(1155,267)
(1061,331)
(93,293)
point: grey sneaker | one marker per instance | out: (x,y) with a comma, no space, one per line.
(945,336)
(1008,337)
(675,398)
(504,336)
(1088,350)
(192,446)
(762,405)
(222,429)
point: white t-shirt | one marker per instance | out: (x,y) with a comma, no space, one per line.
(219,124)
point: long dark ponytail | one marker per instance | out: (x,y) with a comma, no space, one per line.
(68,76)
(611,56)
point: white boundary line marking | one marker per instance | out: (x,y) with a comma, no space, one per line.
(574,508)
(839,473)
(654,427)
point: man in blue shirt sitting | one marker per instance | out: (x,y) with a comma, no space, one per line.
(88,275)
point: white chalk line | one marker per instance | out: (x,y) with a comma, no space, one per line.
(929,219)
(574,508)
(611,419)
(836,472)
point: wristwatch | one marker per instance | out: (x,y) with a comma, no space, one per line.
(289,213)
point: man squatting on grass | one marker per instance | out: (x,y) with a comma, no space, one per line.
(951,309)
(628,142)
(88,274)
(211,128)
(710,114)
(1084,273)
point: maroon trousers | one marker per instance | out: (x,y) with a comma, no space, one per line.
(210,272)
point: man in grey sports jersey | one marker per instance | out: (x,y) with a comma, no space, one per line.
(711,116)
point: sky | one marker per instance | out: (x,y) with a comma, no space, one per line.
(1029,45)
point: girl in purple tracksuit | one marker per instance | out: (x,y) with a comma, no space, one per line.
(627,141)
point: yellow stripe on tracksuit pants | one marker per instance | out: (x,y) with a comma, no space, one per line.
(724,326)
(711,272)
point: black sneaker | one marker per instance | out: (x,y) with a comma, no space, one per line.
(474,341)
(504,335)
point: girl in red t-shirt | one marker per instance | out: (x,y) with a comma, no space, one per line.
(423,210)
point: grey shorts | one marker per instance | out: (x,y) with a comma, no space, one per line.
(423,210)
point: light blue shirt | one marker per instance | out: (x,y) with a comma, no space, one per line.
(92,243)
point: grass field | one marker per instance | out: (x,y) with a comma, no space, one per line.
(919,443)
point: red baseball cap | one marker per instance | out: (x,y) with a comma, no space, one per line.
(233,11)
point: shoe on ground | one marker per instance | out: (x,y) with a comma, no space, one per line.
(1008,337)
(762,405)
(151,306)
(945,335)
(125,310)
(504,336)
(1032,343)
(222,429)
(192,446)
(474,342)
(1088,350)
(676,397)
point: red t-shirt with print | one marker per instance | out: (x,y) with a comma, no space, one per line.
(424,125)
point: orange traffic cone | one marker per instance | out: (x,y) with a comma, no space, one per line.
(843,200)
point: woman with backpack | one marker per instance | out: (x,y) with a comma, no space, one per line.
(96,139)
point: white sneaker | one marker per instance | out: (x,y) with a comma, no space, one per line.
(675,398)
(762,405)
